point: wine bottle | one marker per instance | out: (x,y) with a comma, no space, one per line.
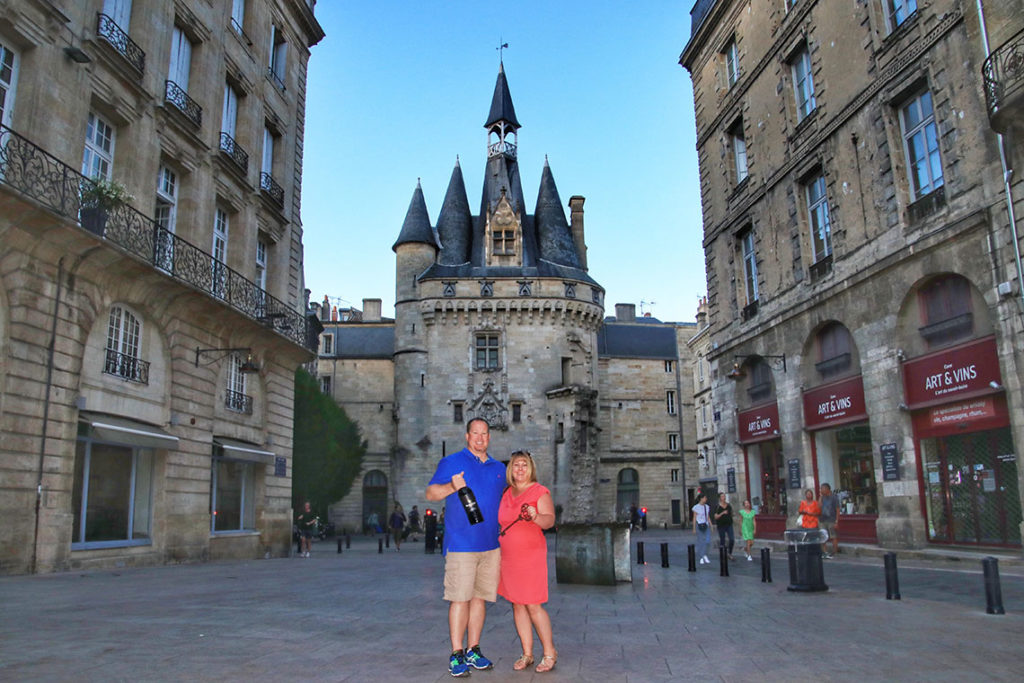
(469,504)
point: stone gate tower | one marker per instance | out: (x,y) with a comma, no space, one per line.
(497,317)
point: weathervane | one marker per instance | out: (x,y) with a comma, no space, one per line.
(501,46)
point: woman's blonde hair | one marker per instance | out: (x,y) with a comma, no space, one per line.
(525,455)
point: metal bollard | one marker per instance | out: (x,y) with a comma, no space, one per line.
(766,565)
(387,540)
(640,552)
(723,561)
(339,545)
(892,578)
(664,555)
(380,546)
(348,542)
(298,545)
(691,558)
(993,591)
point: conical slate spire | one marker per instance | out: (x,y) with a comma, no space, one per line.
(416,227)
(501,103)
(455,223)
(553,235)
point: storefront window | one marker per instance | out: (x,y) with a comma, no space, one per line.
(111,495)
(845,463)
(971,488)
(233,493)
(767,478)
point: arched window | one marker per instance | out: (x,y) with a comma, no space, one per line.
(124,332)
(834,350)
(375,501)
(945,305)
(628,491)
(760,387)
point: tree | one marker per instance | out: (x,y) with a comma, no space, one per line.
(327,451)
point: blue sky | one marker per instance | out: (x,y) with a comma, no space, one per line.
(397,90)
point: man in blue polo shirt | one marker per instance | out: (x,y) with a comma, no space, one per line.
(472,559)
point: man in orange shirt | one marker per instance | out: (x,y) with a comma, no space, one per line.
(810,509)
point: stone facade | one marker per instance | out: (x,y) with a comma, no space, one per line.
(863,272)
(147,360)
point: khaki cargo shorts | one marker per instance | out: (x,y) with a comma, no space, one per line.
(472,575)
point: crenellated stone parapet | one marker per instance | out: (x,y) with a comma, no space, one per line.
(520,311)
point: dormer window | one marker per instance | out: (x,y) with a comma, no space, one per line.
(504,242)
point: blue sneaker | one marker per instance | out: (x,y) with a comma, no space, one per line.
(457,664)
(476,659)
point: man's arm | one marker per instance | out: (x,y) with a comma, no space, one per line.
(437,492)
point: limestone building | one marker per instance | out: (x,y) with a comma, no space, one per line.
(863,260)
(497,316)
(152,306)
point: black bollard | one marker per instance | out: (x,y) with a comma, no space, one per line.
(723,561)
(664,555)
(380,545)
(339,545)
(892,577)
(298,545)
(766,565)
(993,591)
(387,540)
(348,541)
(640,552)
(691,558)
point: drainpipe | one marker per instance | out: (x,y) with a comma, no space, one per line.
(1007,172)
(46,413)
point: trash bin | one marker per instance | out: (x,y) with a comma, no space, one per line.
(806,573)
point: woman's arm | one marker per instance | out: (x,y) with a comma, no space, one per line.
(543,515)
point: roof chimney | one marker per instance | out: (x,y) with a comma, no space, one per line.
(371,310)
(325,309)
(625,313)
(576,227)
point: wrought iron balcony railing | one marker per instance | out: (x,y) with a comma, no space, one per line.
(238,402)
(1003,73)
(272,189)
(28,170)
(234,151)
(275,78)
(240,31)
(126,367)
(108,30)
(185,104)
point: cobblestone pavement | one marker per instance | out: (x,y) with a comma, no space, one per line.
(367,616)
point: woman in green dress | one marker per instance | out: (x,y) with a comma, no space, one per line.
(748,528)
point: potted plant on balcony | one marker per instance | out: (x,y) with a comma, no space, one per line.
(99,197)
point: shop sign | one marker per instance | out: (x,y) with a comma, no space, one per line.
(962,413)
(758,424)
(890,462)
(730,480)
(794,472)
(280,466)
(836,403)
(952,374)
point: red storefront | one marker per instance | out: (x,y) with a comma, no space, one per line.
(836,416)
(967,463)
(758,433)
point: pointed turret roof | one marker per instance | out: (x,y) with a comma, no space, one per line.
(416,227)
(501,103)
(553,234)
(455,222)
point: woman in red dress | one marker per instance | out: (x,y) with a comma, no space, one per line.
(526,510)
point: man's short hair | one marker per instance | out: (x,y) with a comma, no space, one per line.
(826,486)
(469,425)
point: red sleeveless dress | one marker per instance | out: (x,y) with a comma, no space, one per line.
(524,550)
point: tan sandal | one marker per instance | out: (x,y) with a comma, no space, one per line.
(547,663)
(523,662)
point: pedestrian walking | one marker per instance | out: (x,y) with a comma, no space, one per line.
(723,521)
(702,526)
(397,525)
(748,527)
(810,511)
(306,521)
(829,519)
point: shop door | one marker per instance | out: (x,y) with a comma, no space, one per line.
(975,499)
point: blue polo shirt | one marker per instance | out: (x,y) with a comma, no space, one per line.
(487,479)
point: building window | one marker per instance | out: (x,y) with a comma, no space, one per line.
(112,495)
(669,366)
(704,416)
(8,79)
(700,369)
(835,351)
(124,333)
(803,84)
(760,386)
(670,402)
(181,59)
(749,266)
(327,345)
(233,495)
(487,351)
(899,11)
(261,264)
(166,214)
(739,151)
(946,306)
(505,242)
(219,284)
(517,413)
(732,62)
(278,57)
(674,474)
(235,398)
(325,385)
(457,412)
(238,16)
(673,442)
(921,146)
(818,214)
(98,157)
